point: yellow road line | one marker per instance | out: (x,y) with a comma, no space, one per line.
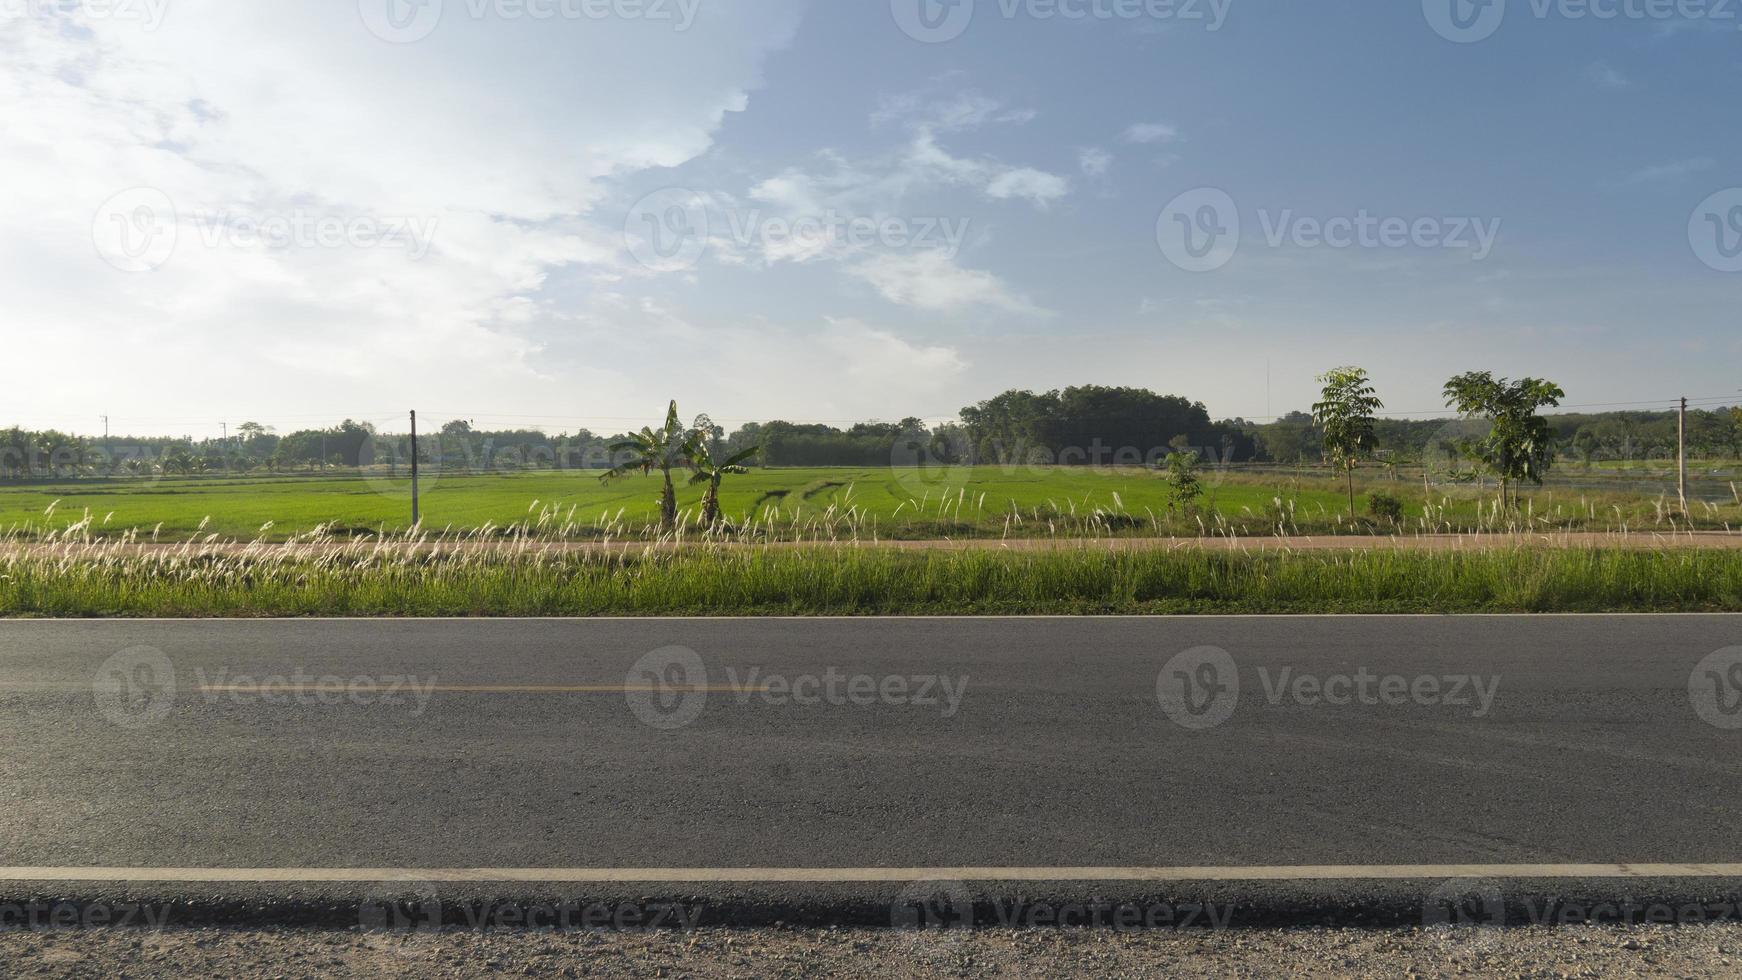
(338,687)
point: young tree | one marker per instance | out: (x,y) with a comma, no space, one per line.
(1345,415)
(663,449)
(1520,444)
(1182,480)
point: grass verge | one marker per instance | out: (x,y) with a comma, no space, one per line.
(361,580)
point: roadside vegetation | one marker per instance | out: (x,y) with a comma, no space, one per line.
(521,577)
(686,520)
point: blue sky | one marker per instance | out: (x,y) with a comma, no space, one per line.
(343,213)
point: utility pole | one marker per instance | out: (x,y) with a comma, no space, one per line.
(414,515)
(1682,457)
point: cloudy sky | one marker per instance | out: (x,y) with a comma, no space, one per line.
(565,212)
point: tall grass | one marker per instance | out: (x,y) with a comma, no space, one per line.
(421,575)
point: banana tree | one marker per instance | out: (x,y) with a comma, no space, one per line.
(663,449)
(711,472)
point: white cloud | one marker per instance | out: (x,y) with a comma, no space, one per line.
(481,131)
(1094,161)
(1607,78)
(1036,186)
(1145,133)
(933,282)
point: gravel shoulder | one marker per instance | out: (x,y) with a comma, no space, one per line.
(1568,951)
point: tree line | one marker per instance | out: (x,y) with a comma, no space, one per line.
(1077,426)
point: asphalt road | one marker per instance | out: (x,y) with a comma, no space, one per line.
(1262,746)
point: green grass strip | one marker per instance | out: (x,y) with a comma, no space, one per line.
(865,581)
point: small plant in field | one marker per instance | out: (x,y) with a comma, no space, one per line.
(1183,485)
(1385,507)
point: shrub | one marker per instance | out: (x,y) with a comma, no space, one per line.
(1385,507)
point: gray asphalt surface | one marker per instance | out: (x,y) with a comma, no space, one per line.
(1588,746)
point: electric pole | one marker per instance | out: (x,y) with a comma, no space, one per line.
(1682,457)
(414,515)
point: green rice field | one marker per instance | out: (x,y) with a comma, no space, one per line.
(885,503)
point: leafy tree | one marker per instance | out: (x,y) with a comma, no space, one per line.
(1345,416)
(663,449)
(1520,443)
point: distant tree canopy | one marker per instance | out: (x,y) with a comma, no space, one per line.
(1092,425)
